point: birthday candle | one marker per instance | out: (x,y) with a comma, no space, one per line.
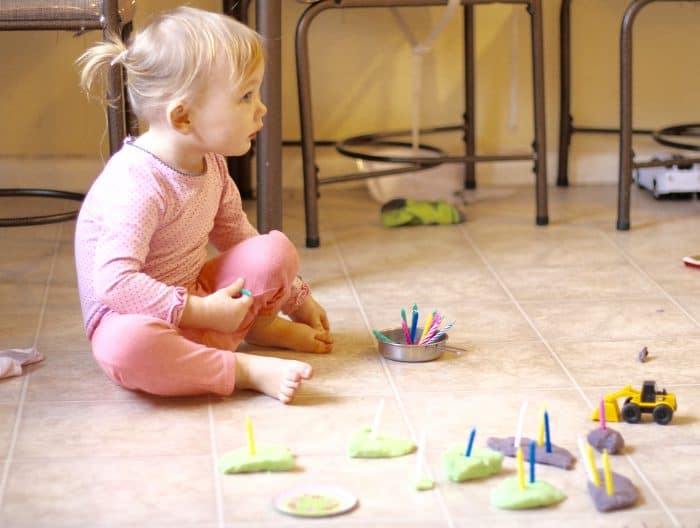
(519,430)
(427,325)
(440,333)
(591,462)
(377,419)
(404,327)
(602,414)
(547,438)
(609,488)
(588,464)
(472,434)
(540,436)
(521,469)
(414,322)
(251,440)
(532,462)
(381,336)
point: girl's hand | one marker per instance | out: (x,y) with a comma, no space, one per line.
(312,314)
(222,310)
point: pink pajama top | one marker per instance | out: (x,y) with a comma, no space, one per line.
(142,234)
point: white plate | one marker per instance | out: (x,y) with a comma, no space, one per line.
(315,500)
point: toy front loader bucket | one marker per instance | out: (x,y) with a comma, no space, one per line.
(612,413)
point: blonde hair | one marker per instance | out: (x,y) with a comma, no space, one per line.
(172,57)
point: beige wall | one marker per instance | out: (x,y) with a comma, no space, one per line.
(361,79)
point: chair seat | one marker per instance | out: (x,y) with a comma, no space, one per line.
(21,14)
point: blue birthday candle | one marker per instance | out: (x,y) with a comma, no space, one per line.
(414,322)
(468,452)
(547,440)
(532,462)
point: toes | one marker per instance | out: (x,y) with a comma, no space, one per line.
(324,337)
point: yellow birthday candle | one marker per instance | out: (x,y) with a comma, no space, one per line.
(521,468)
(540,437)
(609,488)
(251,440)
(591,463)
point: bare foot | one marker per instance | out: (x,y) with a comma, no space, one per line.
(279,378)
(278,332)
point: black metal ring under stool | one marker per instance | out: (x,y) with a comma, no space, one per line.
(379,140)
(688,130)
(41,219)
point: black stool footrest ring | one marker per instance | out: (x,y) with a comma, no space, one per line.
(680,131)
(41,219)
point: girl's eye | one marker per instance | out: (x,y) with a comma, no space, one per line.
(247,97)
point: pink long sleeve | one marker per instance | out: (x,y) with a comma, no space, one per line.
(142,234)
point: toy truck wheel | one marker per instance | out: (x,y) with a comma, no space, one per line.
(631,413)
(662,414)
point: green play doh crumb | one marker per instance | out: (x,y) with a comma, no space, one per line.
(481,463)
(266,458)
(425,484)
(508,495)
(362,445)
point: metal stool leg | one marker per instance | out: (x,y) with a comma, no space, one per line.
(565,119)
(625,174)
(310,170)
(469,105)
(536,32)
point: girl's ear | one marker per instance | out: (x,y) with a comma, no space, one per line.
(178,115)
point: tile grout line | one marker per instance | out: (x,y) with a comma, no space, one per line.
(636,266)
(9,458)
(653,491)
(218,496)
(510,295)
(673,301)
(387,373)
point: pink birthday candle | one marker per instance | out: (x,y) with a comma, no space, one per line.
(602,414)
(433,329)
(406,333)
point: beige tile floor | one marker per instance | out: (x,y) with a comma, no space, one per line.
(553,315)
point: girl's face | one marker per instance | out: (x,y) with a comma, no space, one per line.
(226,118)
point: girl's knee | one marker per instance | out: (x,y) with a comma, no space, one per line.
(276,256)
(125,340)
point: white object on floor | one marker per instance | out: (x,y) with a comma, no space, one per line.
(681,177)
(443,182)
(12,360)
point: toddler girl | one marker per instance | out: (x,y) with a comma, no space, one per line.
(160,316)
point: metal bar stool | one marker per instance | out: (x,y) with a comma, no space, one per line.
(625,131)
(627,163)
(110,16)
(470,158)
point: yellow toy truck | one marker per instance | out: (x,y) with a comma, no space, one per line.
(660,404)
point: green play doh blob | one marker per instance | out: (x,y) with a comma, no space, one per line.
(481,463)
(362,445)
(425,484)
(508,495)
(266,458)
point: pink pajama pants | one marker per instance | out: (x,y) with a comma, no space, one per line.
(144,353)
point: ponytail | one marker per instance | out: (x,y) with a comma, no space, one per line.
(96,62)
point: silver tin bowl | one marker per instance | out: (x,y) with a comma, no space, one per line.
(400,351)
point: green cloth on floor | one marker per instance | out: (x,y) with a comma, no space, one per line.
(401,212)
